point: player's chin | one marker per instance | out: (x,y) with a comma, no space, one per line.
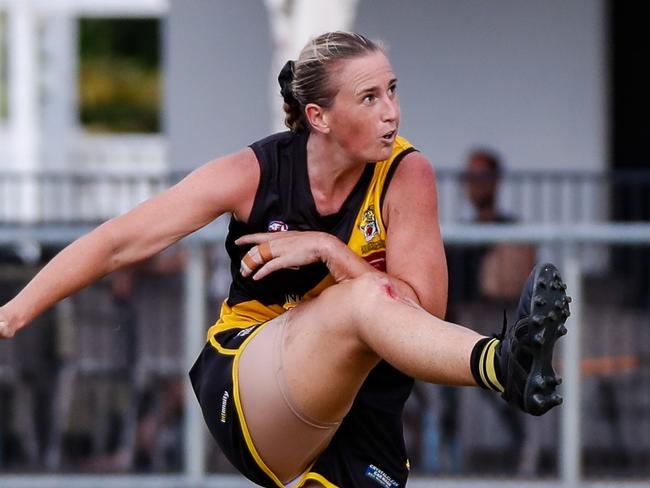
(383,151)
(375,151)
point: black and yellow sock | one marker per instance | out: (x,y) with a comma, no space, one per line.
(484,364)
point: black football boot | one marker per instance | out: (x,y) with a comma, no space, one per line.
(525,353)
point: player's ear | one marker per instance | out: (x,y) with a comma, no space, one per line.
(317,118)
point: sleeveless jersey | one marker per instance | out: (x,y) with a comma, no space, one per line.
(284,201)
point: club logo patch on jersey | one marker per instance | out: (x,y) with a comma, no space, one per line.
(369,225)
(277,226)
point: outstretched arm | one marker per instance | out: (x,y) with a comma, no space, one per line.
(224,185)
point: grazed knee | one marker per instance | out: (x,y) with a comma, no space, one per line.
(357,303)
(370,291)
(355,299)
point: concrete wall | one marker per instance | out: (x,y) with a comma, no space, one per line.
(217,58)
(524,76)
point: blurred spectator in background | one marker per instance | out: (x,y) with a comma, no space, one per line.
(158,388)
(27,369)
(130,396)
(483,282)
(141,392)
(487,272)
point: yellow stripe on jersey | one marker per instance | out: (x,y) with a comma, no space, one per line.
(317,477)
(369,232)
(241,316)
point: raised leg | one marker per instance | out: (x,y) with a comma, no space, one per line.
(331,344)
(326,347)
(325,350)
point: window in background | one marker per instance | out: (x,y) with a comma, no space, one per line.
(3,67)
(119,74)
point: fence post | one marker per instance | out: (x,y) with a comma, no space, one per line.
(194,339)
(571,445)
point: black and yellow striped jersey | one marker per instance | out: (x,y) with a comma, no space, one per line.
(284,202)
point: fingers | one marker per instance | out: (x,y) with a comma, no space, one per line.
(273,266)
(296,246)
(256,257)
(5,331)
(265,251)
(249,239)
(259,238)
(250,262)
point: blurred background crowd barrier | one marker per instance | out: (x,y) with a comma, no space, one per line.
(534,115)
(534,196)
(97,385)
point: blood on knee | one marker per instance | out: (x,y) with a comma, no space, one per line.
(390,291)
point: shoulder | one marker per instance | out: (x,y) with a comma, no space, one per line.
(240,165)
(413,173)
(227,183)
(271,143)
(274,152)
(413,167)
(413,184)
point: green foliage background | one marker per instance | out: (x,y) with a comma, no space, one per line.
(119,74)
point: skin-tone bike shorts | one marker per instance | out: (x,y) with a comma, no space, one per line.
(239,382)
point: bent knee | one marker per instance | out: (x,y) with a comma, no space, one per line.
(374,286)
(359,297)
(352,300)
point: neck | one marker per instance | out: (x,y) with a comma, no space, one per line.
(332,173)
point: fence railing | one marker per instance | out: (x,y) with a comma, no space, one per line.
(563,196)
(591,224)
(567,241)
(553,197)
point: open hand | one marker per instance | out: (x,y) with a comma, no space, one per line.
(277,250)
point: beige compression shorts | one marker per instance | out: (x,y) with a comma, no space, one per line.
(287,440)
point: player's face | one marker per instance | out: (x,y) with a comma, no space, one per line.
(365,114)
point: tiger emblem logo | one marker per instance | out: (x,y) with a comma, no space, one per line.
(369,225)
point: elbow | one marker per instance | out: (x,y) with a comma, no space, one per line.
(114,248)
(439,309)
(439,302)
(435,303)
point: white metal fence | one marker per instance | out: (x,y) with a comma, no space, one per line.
(564,214)
(113,179)
(567,239)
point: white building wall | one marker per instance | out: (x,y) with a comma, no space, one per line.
(524,76)
(217,58)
